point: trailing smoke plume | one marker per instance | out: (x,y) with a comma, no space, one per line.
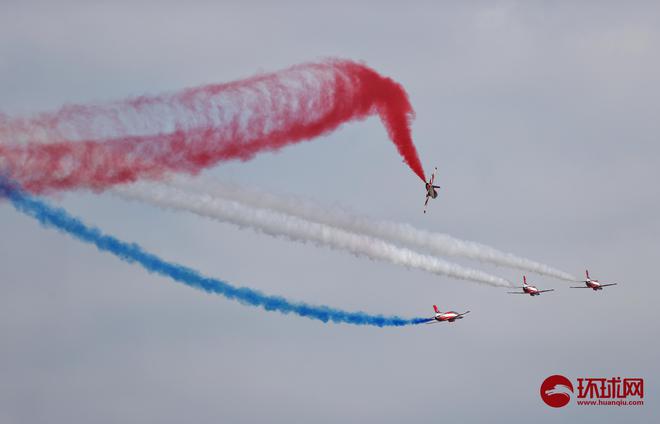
(96,146)
(130,252)
(298,229)
(400,233)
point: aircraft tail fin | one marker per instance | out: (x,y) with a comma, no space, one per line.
(435,308)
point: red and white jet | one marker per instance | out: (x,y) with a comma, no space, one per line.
(530,290)
(449,316)
(592,284)
(431,192)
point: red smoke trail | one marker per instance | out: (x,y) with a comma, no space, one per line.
(147,137)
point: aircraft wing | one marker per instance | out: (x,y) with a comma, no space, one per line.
(610,284)
(543,291)
(464,313)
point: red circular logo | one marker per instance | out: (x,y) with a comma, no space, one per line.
(556,391)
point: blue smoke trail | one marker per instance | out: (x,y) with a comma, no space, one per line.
(58,218)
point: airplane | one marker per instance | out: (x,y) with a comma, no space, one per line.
(431,192)
(530,290)
(592,284)
(449,316)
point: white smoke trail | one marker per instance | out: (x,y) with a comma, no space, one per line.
(406,234)
(298,229)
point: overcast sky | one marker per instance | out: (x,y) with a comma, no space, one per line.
(543,121)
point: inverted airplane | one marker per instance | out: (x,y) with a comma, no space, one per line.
(449,316)
(592,284)
(431,192)
(529,289)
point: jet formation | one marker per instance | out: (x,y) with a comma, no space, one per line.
(531,290)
